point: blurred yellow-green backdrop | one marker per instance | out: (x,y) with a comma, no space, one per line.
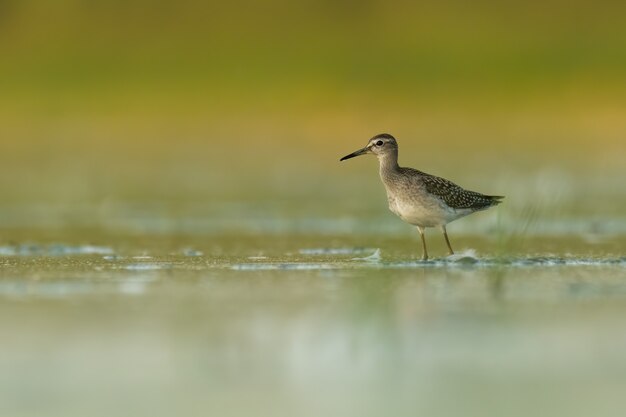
(244,100)
(178,236)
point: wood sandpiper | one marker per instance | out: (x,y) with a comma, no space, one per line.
(421,199)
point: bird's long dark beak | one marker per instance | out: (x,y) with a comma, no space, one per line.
(357,153)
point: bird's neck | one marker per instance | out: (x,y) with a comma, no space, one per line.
(388,163)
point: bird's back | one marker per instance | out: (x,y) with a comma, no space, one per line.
(452,195)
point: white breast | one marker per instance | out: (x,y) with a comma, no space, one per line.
(427,212)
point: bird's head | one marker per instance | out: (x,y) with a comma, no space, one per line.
(380,145)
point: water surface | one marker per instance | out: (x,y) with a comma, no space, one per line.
(306,325)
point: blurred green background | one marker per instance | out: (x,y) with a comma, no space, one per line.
(177,233)
(180,101)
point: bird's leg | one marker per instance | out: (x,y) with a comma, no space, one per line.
(424,252)
(445,234)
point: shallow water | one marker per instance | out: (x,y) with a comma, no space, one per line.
(307,325)
(301,295)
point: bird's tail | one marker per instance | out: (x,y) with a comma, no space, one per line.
(495,199)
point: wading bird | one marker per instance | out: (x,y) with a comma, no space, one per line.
(421,199)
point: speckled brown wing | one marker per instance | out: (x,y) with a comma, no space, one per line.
(455,196)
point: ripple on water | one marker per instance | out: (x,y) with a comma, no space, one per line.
(564,261)
(336,251)
(146,266)
(284,266)
(190,252)
(460,260)
(374,257)
(516,262)
(53,250)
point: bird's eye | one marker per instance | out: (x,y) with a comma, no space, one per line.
(379,143)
